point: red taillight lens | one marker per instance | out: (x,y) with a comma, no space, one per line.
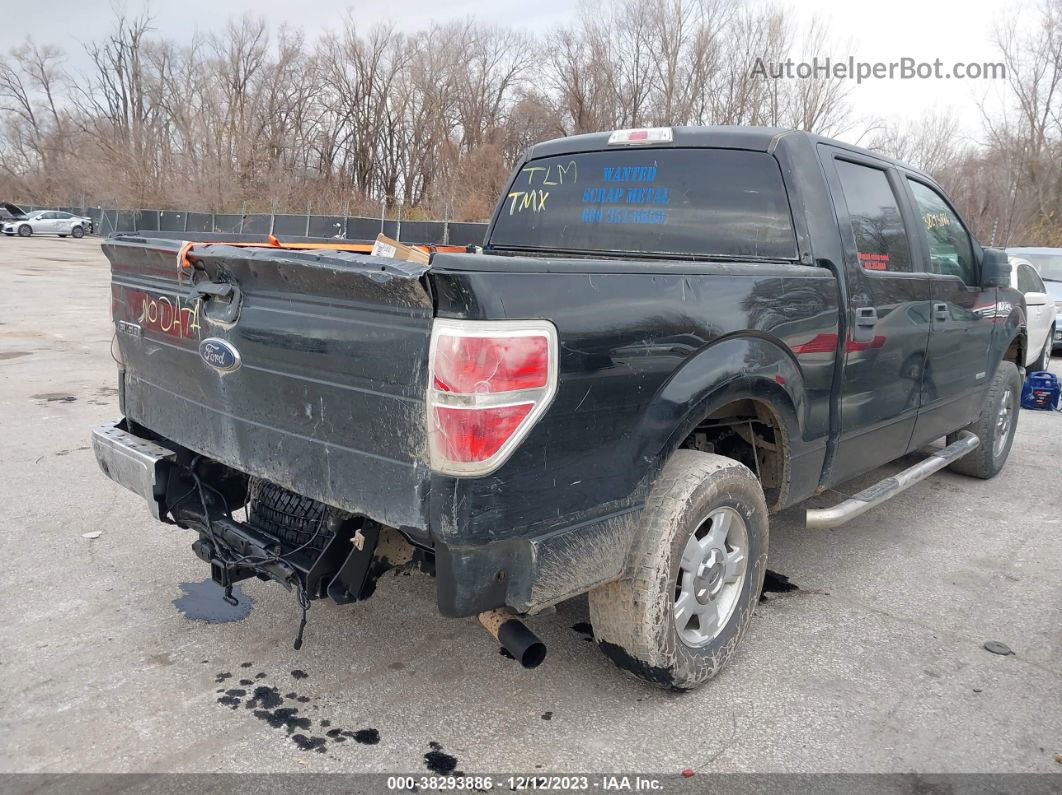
(827,343)
(468,435)
(490,381)
(479,365)
(820,343)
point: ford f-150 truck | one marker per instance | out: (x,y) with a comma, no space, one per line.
(667,335)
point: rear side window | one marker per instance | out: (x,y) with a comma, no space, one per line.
(880,236)
(1029,280)
(705,202)
(950,250)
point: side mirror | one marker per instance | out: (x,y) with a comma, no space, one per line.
(995,268)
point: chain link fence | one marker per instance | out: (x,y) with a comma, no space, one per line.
(180,223)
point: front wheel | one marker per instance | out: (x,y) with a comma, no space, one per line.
(696,574)
(78,232)
(25,230)
(994,427)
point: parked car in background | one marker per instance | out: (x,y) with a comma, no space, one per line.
(11,212)
(48,222)
(86,223)
(1048,264)
(1040,313)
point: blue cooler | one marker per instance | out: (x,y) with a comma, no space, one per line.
(1040,392)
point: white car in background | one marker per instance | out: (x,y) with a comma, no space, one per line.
(48,222)
(1048,263)
(1040,309)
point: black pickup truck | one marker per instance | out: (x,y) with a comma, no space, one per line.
(667,335)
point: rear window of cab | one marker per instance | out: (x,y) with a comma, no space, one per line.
(700,202)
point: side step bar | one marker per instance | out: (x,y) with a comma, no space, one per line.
(858,504)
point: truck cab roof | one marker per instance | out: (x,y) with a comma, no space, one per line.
(756,139)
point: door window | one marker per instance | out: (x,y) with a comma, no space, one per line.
(950,249)
(1029,279)
(880,236)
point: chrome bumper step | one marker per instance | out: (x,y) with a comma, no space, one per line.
(136,463)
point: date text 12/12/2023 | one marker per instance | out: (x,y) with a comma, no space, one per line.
(517,783)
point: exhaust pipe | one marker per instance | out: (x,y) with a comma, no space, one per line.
(514,636)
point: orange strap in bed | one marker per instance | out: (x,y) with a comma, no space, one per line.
(357,248)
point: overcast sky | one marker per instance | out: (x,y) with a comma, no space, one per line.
(952,30)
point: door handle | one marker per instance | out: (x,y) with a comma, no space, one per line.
(940,311)
(866,316)
(222,299)
(863,328)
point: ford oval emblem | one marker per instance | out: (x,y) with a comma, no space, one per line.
(219,354)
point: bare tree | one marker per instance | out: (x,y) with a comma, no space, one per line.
(249,117)
(34,130)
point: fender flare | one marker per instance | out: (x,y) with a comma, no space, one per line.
(745,366)
(1014,327)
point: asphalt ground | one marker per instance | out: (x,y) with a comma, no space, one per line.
(874,662)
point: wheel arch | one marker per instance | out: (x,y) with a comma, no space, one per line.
(1014,340)
(740,370)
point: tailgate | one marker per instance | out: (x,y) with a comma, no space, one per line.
(329,352)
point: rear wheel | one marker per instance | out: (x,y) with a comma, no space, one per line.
(25,230)
(697,571)
(995,426)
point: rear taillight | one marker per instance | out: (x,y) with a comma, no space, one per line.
(490,381)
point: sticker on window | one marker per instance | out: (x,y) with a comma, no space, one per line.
(874,262)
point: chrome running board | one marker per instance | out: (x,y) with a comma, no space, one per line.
(858,504)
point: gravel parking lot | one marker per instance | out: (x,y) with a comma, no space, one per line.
(874,662)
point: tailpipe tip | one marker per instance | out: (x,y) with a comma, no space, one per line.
(515,637)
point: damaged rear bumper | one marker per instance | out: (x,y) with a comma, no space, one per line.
(338,568)
(138,464)
(521,573)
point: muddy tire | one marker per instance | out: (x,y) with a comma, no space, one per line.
(994,427)
(292,519)
(702,510)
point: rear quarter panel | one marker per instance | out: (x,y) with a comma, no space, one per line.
(645,350)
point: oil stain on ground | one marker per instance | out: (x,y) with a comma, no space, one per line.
(202,602)
(585,629)
(362,736)
(268,706)
(773,582)
(231,698)
(53,397)
(442,764)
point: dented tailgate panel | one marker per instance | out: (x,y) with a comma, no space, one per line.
(327,398)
